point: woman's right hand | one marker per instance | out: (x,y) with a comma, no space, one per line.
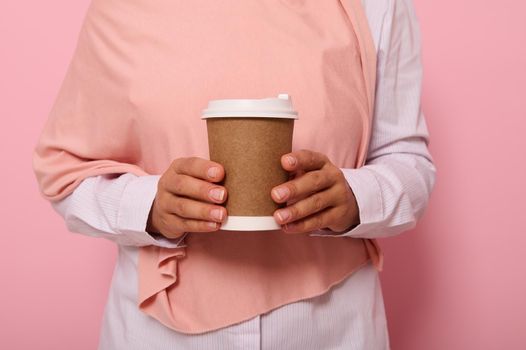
(187,199)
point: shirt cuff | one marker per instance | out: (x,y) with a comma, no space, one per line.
(134,209)
(368,196)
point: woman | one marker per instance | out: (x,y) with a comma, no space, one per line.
(123,156)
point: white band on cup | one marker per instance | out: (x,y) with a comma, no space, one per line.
(250,223)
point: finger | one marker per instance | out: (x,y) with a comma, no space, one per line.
(200,168)
(296,198)
(313,222)
(192,209)
(176,224)
(303,160)
(305,207)
(188,186)
(311,182)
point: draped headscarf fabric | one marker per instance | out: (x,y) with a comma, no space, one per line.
(131,102)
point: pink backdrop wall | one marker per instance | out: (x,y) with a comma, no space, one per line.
(458,281)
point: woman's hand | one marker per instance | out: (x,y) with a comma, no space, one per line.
(187,200)
(318,197)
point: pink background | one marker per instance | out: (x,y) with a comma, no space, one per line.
(458,281)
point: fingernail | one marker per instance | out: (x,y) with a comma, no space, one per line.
(217,214)
(283,215)
(213,172)
(217,194)
(291,160)
(281,192)
(212,224)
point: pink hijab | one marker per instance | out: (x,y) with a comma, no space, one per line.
(131,102)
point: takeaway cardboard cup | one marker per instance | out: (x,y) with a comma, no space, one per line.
(248,137)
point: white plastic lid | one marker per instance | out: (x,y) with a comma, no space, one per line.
(266,107)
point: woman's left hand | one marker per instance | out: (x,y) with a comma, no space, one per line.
(317,197)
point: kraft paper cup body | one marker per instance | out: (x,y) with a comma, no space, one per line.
(248,137)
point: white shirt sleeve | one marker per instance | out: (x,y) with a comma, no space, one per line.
(393,187)
(115,207)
